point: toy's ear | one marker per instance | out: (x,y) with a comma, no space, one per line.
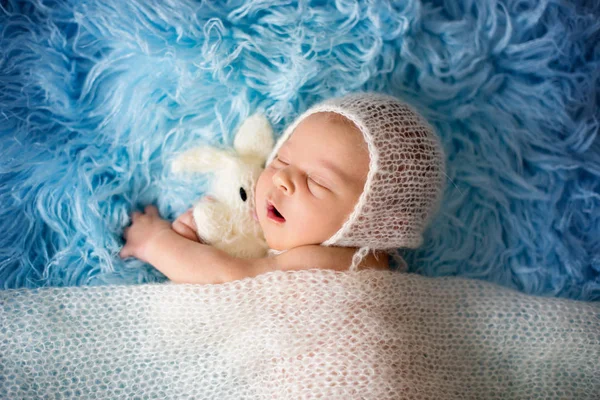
(255,137)
(201,159)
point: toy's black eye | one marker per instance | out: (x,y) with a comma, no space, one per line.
(243,194)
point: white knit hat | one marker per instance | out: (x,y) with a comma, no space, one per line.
(406,173)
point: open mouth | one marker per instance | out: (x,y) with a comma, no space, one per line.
(274,214)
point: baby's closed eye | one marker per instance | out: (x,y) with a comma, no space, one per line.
(280,161)
(318,182)
(314,182)
(318,188)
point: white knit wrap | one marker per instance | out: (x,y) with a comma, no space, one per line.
(406,172)
(313,334)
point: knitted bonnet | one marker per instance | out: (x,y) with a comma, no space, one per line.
(406,173)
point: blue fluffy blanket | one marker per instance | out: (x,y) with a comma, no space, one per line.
(96,97)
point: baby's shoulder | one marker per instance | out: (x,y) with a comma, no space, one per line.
(322,257)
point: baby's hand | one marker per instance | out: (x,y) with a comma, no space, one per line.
(145,227)
(186,226)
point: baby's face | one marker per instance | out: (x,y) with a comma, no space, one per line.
(309,190)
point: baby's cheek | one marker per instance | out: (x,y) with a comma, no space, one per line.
(259,189)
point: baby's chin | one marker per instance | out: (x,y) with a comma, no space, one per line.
(272,240)
(276,241)
(276,244)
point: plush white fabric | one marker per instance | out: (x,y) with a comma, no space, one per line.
(303,334)
(226,218)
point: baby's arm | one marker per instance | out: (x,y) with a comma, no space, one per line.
(152,239)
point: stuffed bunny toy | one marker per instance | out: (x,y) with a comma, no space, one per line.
(226,217)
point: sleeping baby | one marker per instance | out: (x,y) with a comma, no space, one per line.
(351,180)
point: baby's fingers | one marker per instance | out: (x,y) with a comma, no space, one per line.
(151,210)
(125,252)
(188,218)
(184,230)
(135,215)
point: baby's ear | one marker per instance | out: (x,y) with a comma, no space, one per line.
(255,137)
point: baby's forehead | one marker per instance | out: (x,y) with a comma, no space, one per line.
(329,140)
(327,135)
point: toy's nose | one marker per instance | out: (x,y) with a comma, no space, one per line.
(283,182)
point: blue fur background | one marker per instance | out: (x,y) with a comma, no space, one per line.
(96,98)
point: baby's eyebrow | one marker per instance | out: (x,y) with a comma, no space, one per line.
(335,169)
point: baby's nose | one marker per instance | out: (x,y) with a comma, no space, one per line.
(283,183)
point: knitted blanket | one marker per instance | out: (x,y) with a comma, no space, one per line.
(98,96)
(291,335)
